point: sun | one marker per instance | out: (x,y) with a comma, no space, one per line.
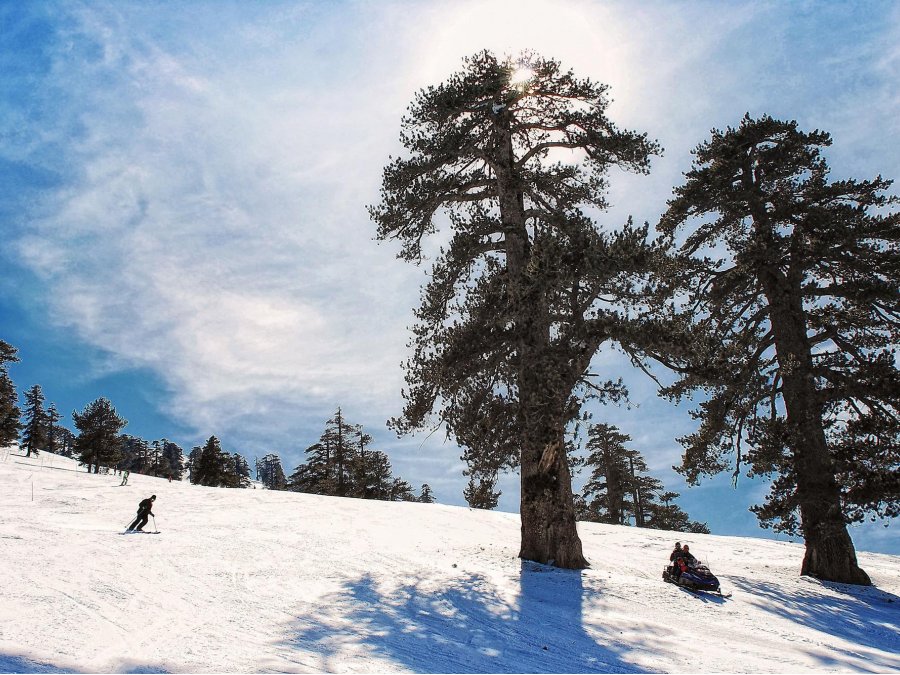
(521,76)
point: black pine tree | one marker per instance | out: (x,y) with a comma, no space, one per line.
(213,466)
(481,491)
(172,459)
(795,314)
(98,441)
(10,415)
(426,496)
(270,472)
(34,428)
(514,308)
(54,438)
(605,491)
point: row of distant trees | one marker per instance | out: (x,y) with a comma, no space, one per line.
(341,463)
(619,488)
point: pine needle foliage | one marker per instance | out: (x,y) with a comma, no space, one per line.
(793,287)
(525,288)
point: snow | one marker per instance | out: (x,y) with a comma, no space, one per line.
(257,580)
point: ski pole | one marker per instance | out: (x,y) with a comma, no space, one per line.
(154,524)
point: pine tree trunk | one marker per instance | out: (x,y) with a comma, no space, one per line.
(547,508)
(830,554)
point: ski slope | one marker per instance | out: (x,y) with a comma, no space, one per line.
(257,581)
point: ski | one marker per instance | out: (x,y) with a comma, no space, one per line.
(140,532)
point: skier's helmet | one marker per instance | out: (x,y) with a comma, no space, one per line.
(153,497)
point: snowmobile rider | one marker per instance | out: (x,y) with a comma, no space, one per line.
(676,552)
(685,560)
(145,510)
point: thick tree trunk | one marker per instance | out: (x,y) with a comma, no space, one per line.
(549,534)
(830,554)
(547,509)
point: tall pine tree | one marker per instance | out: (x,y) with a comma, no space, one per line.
(795,317)
(514,308)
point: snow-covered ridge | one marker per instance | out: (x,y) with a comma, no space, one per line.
(255,580)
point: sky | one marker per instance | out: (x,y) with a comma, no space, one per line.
(183,192)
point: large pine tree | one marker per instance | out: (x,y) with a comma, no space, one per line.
(98,441)
(10,415)
(793,284)
(507,153)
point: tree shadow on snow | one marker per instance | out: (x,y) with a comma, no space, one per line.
(864,615)
(21,664)
(464,626)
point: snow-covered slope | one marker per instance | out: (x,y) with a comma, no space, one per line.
(253,580)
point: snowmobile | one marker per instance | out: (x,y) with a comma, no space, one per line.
(696,577)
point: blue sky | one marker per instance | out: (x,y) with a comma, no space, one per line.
(183,191)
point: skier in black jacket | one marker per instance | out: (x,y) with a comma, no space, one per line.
(145,510)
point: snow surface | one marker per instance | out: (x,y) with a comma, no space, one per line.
(258,581)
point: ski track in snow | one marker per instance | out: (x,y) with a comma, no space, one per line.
(261,581)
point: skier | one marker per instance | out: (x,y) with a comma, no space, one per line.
(145,510)
(125,478)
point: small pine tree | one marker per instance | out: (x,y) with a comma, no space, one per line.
(402,491)
(481,492)
(34,431)
(426,496)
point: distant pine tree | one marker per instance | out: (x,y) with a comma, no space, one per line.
(481,492)
(270,472)
(235,471)
(98,441)
(34,429)
(54,442)
(619,488)
(338,439)
(402,491)
(136,454)
(340,464)
(426,496)
(666,515)
(172,459)
(375,475)
(212,466)
(604,493)
(9,410)
(193,460)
